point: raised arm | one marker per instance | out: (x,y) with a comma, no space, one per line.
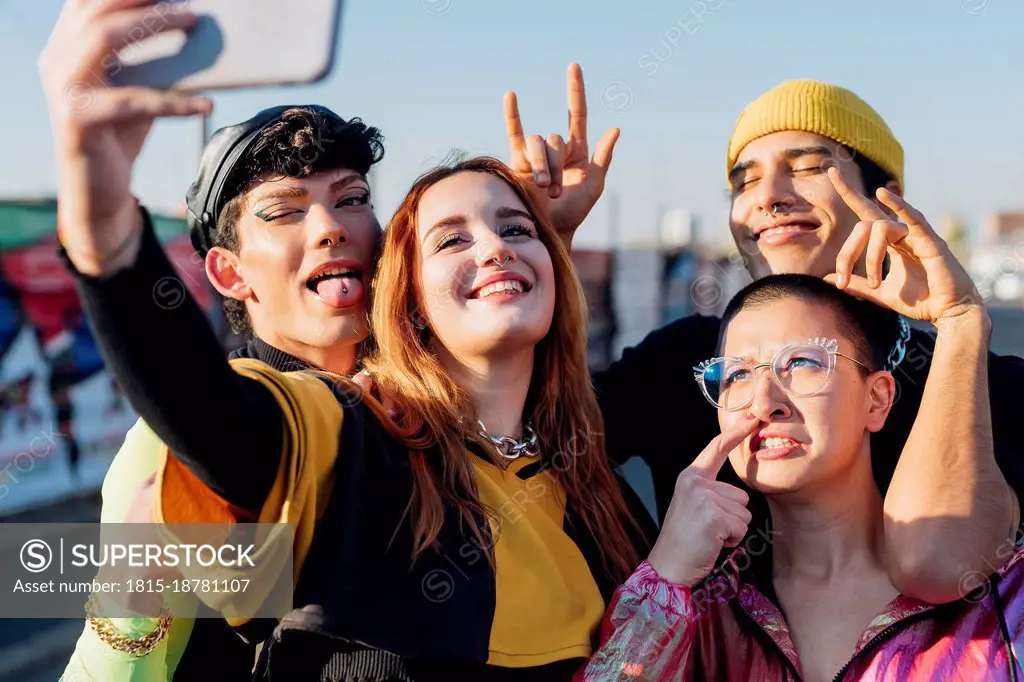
(947,487)
(154,337)
(948,510)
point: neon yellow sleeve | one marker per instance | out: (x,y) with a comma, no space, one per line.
(93,660)
(313,421)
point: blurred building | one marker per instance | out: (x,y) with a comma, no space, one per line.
(953,230)
(1004,227)
(53,383)
(998,272)
(636,295)
(997,265)
(594,268)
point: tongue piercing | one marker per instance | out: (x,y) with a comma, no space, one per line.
(344,290)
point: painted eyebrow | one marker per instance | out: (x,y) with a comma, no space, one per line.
(299,192)
(283,193)
(344,182)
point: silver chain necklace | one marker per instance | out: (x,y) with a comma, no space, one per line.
(510,448)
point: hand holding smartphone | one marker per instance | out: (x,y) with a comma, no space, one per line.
(234,44)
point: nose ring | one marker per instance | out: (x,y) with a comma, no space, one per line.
(775,208)
(503,263)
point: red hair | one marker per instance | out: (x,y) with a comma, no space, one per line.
(560,404)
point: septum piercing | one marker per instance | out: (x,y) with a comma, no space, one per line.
(503,263)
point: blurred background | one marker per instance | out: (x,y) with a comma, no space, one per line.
(673,75)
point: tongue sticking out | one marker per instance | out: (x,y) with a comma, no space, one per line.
(340,292)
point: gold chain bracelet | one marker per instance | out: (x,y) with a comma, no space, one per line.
(112,637)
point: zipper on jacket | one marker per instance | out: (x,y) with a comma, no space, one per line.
(771,642)
(874,641)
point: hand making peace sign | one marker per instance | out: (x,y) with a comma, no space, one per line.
(562,177)
(925,280)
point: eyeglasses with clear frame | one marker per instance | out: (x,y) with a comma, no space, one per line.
(801,369)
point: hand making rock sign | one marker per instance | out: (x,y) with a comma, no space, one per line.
(561,175)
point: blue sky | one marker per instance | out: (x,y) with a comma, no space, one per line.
(946,75)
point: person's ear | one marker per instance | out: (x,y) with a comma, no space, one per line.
(882,392)
(225,274)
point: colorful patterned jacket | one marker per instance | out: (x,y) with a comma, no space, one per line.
(725,629)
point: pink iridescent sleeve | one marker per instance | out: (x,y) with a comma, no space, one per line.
(648,633)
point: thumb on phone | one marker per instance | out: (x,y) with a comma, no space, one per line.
(710,461)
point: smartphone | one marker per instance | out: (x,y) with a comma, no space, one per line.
(235,44)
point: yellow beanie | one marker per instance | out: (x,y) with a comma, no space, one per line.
(827,110)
